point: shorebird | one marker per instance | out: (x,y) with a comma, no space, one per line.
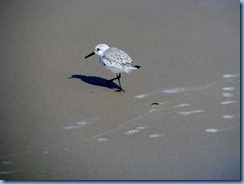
(115,60)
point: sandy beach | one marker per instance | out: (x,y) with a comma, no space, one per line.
(178,119)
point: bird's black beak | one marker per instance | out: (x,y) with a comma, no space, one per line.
(90,55)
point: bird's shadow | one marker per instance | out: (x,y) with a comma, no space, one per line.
(96,81)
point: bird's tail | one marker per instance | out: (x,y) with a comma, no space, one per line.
(137,66)
(128,69)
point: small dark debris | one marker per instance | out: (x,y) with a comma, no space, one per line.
(155,103)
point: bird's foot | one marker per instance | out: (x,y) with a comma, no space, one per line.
(119,90)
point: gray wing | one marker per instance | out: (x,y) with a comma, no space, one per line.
(114,56)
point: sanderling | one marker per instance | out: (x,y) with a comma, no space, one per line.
(114,60)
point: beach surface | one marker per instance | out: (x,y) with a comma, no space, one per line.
(178,119)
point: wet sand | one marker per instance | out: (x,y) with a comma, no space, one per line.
(179,118)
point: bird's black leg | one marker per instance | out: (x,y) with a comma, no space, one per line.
(111,80)
(118,77)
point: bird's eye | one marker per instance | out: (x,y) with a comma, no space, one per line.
(98,49)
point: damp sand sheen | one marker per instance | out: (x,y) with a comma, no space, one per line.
(178,119)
